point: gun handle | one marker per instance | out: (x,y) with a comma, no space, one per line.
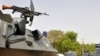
(6,7)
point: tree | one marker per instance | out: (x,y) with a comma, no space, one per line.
(71,35)
(65,42)
(53,35)
(89,47)
(68,42)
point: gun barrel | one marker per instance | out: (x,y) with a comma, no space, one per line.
(46,14)
(6,7)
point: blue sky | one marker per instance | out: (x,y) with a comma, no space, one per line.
(81,16)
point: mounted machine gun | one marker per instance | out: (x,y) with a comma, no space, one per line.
(25,12)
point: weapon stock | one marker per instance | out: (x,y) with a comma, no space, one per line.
(6,7)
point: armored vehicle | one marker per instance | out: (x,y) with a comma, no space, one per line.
(16,40)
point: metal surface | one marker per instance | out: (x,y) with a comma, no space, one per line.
(18,43)
(5,17)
